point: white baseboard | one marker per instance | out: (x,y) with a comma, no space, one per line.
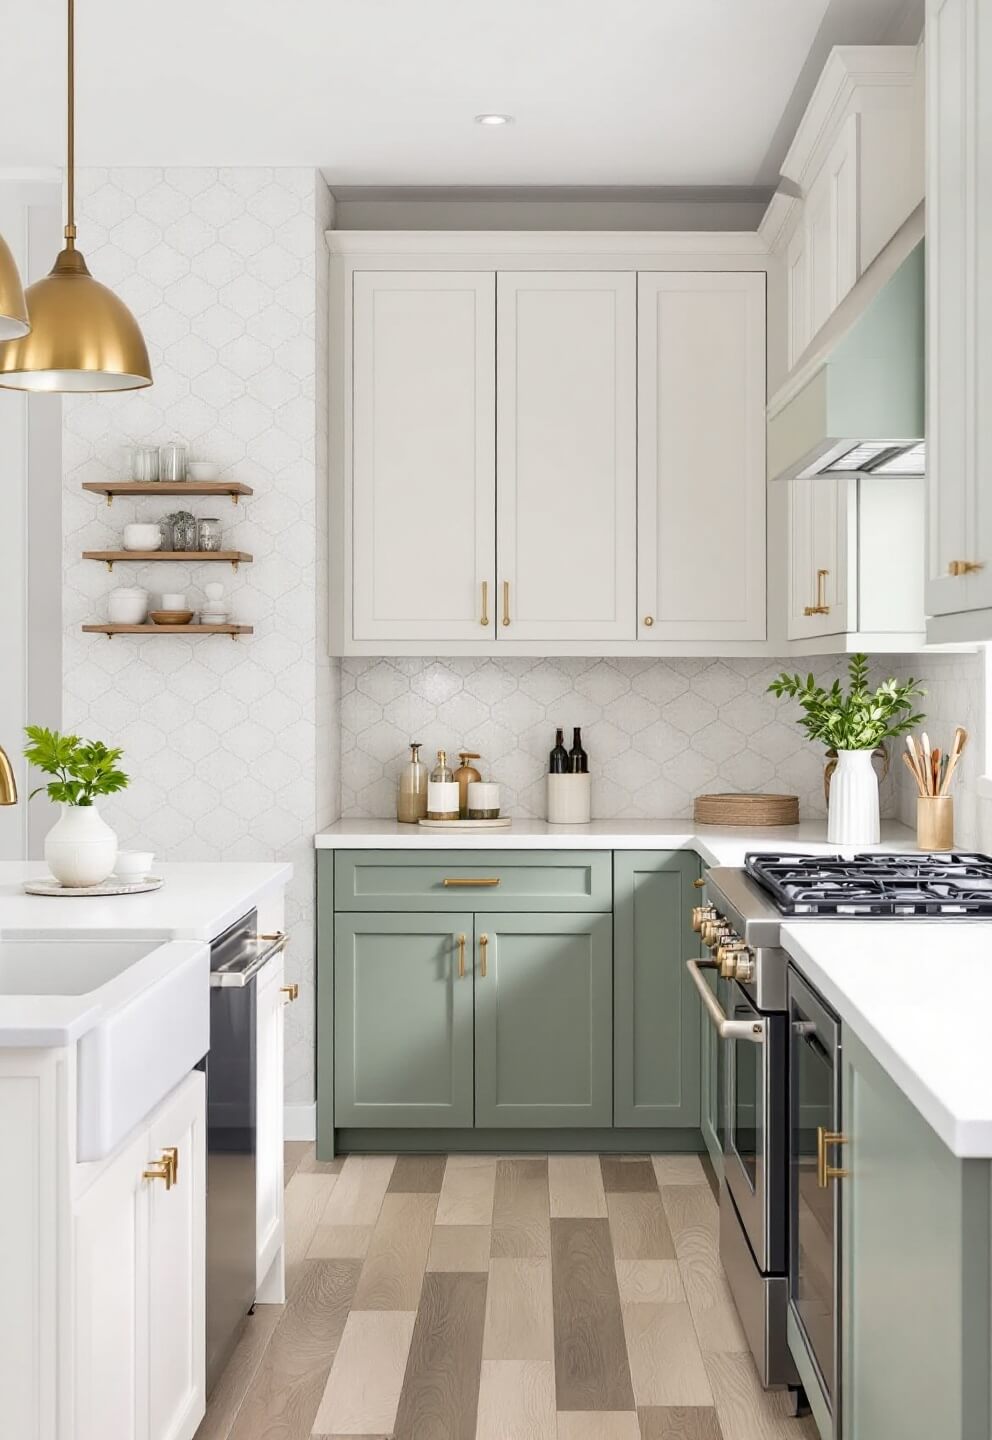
(300,1121)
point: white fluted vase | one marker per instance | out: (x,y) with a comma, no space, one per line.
(81,848)
(852,814)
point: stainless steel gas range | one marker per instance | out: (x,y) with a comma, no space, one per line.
(780,1239)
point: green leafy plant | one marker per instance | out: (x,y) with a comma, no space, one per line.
(83,769)
(859,720)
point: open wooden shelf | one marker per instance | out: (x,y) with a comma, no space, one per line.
(111,630)
(112,557)
(110,488)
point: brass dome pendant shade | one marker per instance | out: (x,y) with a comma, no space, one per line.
(13,311)
(82,338)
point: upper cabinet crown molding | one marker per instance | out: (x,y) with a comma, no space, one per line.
(856,78)
(639,247)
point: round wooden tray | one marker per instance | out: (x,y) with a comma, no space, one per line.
(746,809)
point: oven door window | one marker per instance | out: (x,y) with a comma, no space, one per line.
(747,1117)
(811,1271)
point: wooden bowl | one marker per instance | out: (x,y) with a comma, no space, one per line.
(170,617)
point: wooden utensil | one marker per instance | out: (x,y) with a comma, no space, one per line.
(911,767)
(912,759)
(957,750)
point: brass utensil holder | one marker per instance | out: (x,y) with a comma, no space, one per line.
(935,822)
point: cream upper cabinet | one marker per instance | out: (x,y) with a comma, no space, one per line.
(423,455)
(830,223)
(701,455)
(959,321)
(566,455)
(822,522)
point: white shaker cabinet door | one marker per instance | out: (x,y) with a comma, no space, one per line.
(959,306)
(831,224)
(566,455)
(423,455)
(701,456)
(823,520)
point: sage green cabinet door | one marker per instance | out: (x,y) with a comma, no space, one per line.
(656,1028)
(915,1269)
(543,1038)
(403,1020)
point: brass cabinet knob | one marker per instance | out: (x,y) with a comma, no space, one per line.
(291,992)
(649,621)
(965,567)
(698,883)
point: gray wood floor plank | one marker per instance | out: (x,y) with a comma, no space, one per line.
(440,1395)
(592,1371)
(417,1175)
(628,1172)
(697,1422)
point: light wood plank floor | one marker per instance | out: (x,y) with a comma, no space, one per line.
(482,1298)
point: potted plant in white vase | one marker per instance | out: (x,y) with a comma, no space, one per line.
(81,848)
(854,725)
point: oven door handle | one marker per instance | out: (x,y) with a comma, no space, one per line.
(752,1030)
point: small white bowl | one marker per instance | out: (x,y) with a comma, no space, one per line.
(142,536)
(133,864)
(202,470)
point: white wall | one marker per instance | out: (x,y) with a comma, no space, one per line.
(221,738)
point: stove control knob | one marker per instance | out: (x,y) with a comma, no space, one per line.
(744,964)
(725,955)
(700,914)
(714,931)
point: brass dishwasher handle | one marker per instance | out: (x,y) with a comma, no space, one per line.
(753,1030)
(483,955)
(506,602)
(821,607)
(484,620)
(461,957)
(824,1172)
(450,880)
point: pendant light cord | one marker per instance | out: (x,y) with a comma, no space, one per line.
(70,222)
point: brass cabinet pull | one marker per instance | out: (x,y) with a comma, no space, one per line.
(170,1156)
(159,1170)
(450,880)
(965,567)
(821,607)
(484,618)
(698,884)
(824,1172)
(506,602)
(483,955)
(461,957)
(291,992)
(649,621)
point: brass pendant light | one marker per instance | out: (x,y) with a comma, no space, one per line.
(82,338)
(13,311)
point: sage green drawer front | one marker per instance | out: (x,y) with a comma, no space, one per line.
(403,1020)
(543,1041)
(568,880)
(656,1009)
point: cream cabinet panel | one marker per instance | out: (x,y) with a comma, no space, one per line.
(831,227)
(798,298)
(959,299)
(424,477)
(822,530)
(701,455)
(566,455)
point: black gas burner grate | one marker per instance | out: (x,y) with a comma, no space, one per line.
(949,883)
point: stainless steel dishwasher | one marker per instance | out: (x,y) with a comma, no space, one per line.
(237,958)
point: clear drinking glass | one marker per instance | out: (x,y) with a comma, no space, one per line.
(172,462)
(144,463)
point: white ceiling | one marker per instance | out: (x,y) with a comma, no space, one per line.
(383,92)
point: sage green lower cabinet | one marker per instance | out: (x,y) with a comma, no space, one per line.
(403,1043)
(916,1275)
(656,1010)
(543,1020)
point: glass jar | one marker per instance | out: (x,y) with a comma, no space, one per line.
(172,462)
(184,533)
(208,533)
(144,463)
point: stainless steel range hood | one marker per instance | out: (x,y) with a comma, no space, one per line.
(855,402)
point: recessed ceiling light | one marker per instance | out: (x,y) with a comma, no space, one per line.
(494,119)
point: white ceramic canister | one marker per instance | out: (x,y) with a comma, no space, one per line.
(569,799)
(81,848)
(127,605)
(483,800)
(142,536)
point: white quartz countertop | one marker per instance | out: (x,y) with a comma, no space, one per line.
(715,844)
(916,993)
(197,902)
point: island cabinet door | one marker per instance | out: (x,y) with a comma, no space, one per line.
(543,1042)
(403,1020)
(915,1268)
(656,1022)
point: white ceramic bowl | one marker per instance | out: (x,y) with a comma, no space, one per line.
(202,470)
(133,864)
(142,536)
(127,607)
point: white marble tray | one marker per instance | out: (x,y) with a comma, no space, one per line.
(109,887)
(500,824)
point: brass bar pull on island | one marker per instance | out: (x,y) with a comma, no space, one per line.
(484,618)
(451,880)
(461,957)
(825,1172)
(483,955)
(506,602)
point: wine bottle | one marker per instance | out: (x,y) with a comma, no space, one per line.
(558,764)
(578,760)
(442,791)
(411,800)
